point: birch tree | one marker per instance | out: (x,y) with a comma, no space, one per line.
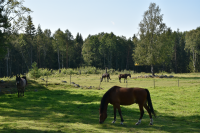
(192,45)
(149,49)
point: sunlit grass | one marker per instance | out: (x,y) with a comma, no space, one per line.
(60,107)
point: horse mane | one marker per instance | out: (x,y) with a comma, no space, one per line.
(104,98)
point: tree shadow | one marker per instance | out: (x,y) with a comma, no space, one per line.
(62,106)
(190,78)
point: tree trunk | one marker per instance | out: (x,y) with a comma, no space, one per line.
(62,59)
(67,55)
(194,60)
(7,60)
(45,53)
(31,55)
(152,70)
(58,59)
(175,60)
(127,63)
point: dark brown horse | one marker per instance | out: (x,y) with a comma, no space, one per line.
(124,76)
(105,75)
(21,83)
(126,96)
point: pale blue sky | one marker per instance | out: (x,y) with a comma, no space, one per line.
(122,17)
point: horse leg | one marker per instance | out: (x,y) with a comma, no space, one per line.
(141,113)
(149,112)
(120,80)
(114,115)
(18,93)
(120,114)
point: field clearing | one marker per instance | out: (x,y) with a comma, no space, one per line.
(94,80)
(60,107)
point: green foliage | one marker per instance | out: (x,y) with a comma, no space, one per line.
(192,45)
(35,72)
(156,46)
(151,49)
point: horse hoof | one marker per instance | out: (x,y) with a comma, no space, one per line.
(121,123)
(137,123)
(150,123)
(113,122)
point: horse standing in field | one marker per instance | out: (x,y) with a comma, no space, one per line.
(21,83)
(126,96)
(124,76)
(105,75)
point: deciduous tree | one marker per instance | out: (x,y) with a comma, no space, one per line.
(149,49)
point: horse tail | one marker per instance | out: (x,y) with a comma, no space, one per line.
(150,103)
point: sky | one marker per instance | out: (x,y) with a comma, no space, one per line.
(122,17)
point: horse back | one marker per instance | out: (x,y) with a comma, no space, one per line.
(123,75)
(24,77)
(128,96)
(105,75)
(22,84)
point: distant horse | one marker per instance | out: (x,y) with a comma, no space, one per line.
(21,83)
(126,96)
(105,75)
(124,76)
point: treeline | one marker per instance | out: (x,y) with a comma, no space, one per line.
(155,49)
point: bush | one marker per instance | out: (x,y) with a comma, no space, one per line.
(35,72)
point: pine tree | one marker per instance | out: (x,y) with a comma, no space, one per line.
(4,25)
(30,32)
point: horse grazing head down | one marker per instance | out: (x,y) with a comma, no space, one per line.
(102,116)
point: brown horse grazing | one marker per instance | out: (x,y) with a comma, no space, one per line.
(21,83)
(124,76)
(105,75)
(126,96)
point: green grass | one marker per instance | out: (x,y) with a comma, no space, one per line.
(63,108)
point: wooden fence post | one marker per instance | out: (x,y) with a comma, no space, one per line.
(178,82)
(70,79)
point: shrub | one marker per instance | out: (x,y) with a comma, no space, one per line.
(35,72)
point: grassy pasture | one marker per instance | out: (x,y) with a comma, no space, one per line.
(60,107)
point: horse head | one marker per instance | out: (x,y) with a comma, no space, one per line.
(18,79)
(102,116)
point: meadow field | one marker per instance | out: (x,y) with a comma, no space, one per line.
(56,106)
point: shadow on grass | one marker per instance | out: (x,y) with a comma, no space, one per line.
(27,131)
(190,78)
(63,106)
